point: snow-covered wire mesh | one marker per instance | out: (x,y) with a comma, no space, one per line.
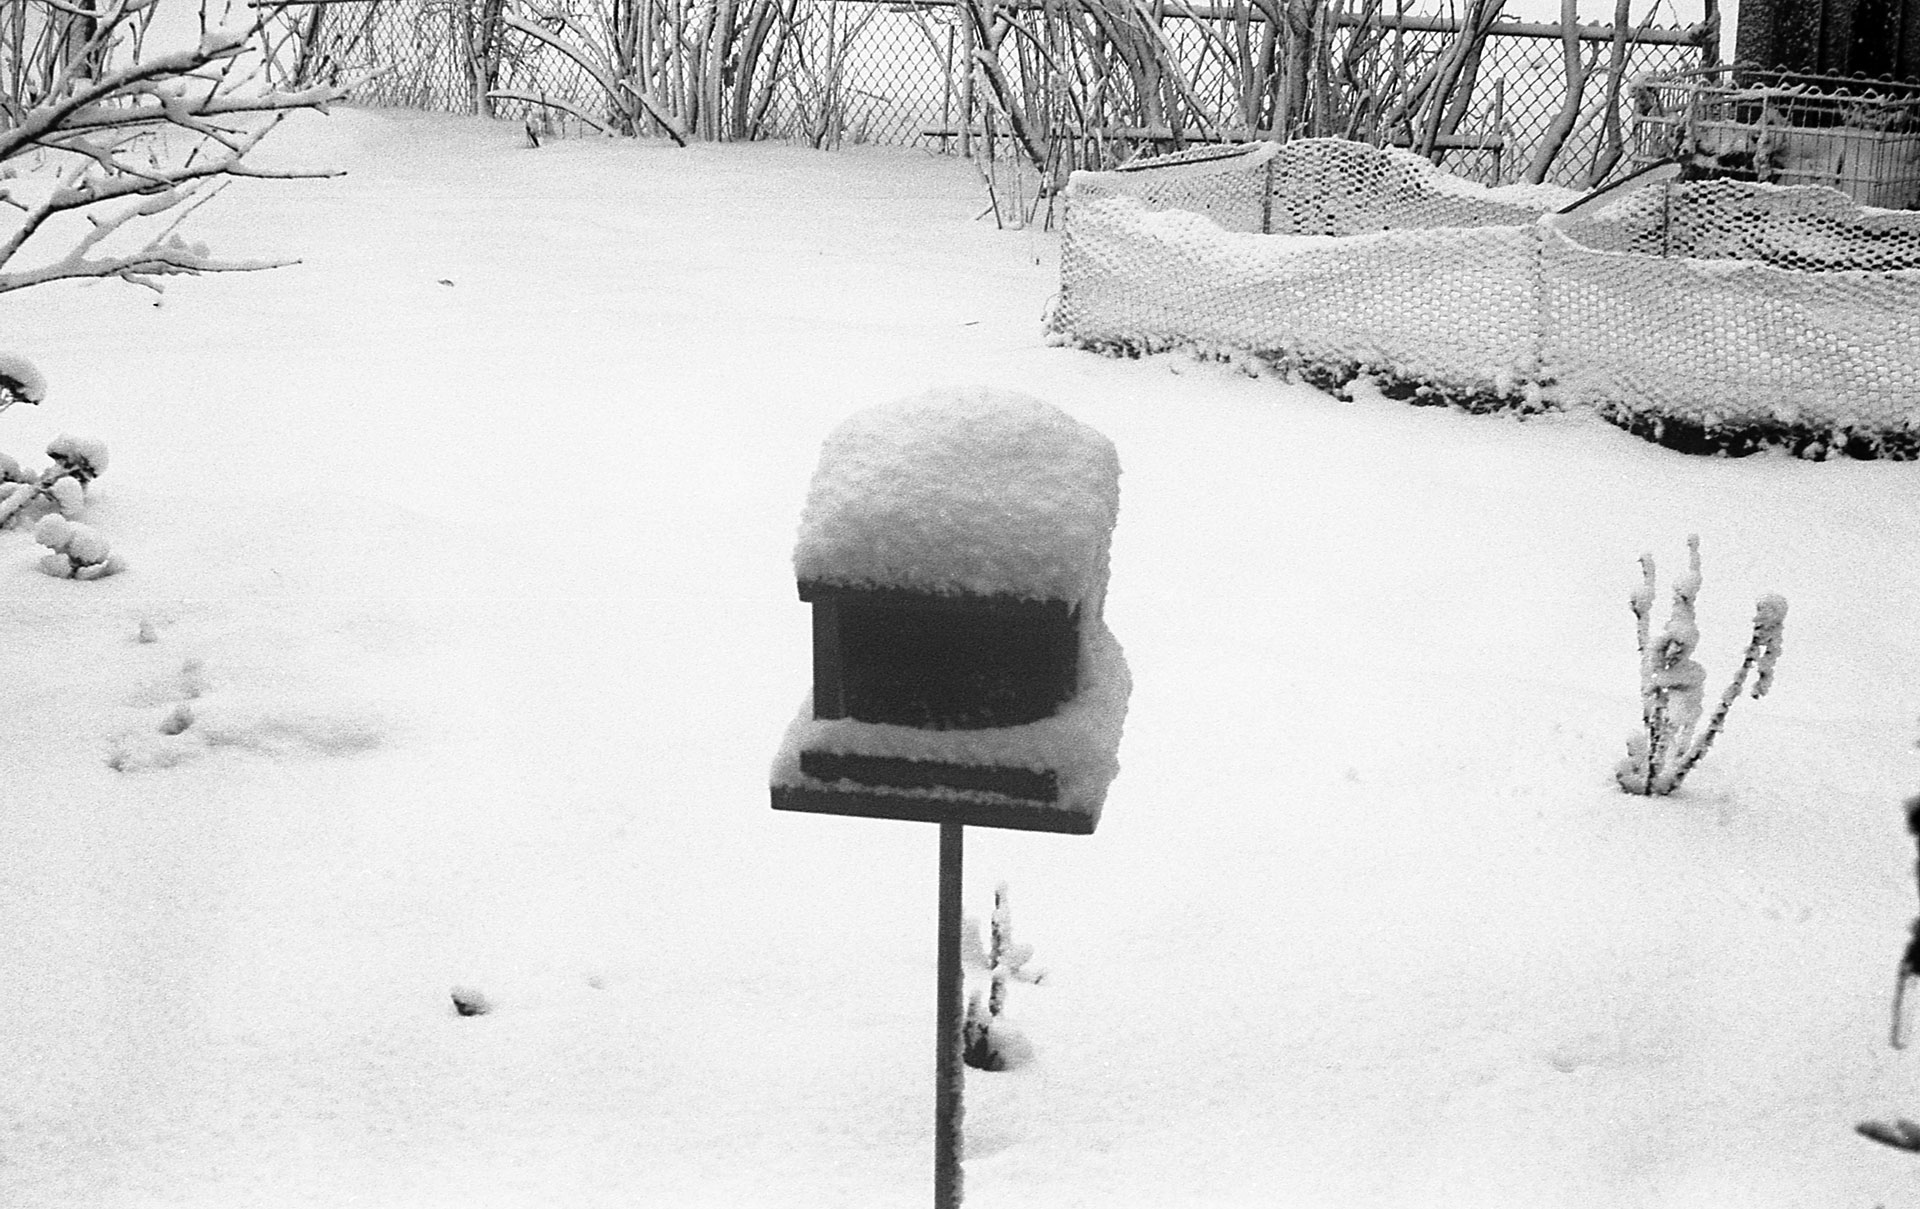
(1780,315)
(1710,315)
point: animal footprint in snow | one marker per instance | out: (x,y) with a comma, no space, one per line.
(159,744)
(282,718)
(185,684)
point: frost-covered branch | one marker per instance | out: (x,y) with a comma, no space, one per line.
(133,150)
(1661,754)
(563,105)
(148,193)
(1763,649)
(625,97)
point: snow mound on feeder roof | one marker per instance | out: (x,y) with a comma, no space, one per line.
(963,490)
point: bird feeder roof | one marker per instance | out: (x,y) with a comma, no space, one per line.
(963,491)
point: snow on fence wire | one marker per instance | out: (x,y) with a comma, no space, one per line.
(1710,316)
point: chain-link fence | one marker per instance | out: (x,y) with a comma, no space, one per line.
(1710,315)
(834,71)
(1078,86)
(442,55)
(897,66)
(1526,86)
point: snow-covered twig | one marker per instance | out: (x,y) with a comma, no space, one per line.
(1763,649)
(564,106)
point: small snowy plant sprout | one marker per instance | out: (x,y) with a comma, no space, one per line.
(1665,749)
(78,551)
(992,1043)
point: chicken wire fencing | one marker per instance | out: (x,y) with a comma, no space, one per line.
(1709,316)
(834,71)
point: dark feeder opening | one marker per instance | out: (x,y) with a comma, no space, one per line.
(938,661)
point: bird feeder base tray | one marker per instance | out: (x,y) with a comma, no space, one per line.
(972,810)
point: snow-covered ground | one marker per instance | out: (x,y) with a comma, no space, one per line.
(463,552)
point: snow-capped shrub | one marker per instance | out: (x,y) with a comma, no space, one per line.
(20,381)
(1660,755)
(81,458)
(60,488)
(990,1042)
(78,551)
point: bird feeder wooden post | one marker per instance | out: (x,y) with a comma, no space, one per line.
(954,552)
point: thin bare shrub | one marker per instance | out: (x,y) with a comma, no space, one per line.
(1110,78)
(1665,749)
(1093,83)
(824,38)
(686,70)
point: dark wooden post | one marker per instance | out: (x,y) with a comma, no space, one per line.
(949,1072)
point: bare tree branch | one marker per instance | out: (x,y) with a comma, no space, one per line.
(134,149)
(531,98)
(138,269)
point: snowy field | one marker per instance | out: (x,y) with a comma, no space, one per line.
(459,559)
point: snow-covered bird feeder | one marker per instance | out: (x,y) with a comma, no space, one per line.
(954,550)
